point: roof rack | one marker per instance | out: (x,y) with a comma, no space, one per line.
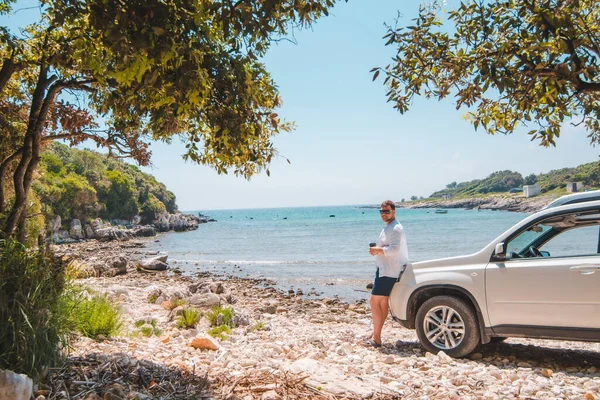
(574,198)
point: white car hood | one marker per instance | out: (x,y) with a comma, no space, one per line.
(448,261)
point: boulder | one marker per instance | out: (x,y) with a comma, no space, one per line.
(15,386)
(145,231)
(204,342)
(155,263)
(76,230)
(204,300)
(116,265)
(89,232)
(97,224)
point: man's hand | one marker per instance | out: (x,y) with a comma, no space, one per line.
(375,250)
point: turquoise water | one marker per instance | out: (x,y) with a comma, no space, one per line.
(323,249)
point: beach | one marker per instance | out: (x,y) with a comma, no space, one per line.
(287,346)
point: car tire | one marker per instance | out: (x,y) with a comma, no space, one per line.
(449,324)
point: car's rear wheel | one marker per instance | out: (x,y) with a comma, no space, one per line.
(448,324)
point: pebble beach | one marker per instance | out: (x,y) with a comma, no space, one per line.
(285,345)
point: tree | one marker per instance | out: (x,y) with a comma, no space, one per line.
(413,198)
(509,62)
(530,179)
(451,185)
(123,73)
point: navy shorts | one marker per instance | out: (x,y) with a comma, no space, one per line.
(382,286)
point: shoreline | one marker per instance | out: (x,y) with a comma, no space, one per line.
(515,203)
(309,347)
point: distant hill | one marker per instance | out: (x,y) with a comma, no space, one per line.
(84,184)
(504,181)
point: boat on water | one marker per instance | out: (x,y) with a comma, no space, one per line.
(441,211)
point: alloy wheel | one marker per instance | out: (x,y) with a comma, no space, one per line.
(444,327)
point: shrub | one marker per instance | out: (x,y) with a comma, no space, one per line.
(35,313)
(172,304)
(188,318)
(228,316)
(97,316)
(219,332)
(148,327)
(259,326)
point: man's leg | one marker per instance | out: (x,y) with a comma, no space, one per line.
(379,309)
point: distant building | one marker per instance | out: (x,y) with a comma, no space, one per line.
(574,187)
(531,190)
(446,196)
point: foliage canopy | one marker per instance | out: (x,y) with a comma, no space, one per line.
(508,62)
(123,73)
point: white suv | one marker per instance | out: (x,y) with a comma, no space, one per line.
(540,278)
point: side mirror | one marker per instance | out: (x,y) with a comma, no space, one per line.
(499,251)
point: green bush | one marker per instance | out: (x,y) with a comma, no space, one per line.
(188,318)
(227,313)
(97,316)
(35,312)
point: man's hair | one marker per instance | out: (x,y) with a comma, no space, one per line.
(389,203)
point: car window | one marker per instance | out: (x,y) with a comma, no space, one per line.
(573,242)
(522,241)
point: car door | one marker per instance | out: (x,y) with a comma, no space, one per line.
(557,287)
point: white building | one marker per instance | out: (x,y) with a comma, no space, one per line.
(574,186)
(531,190)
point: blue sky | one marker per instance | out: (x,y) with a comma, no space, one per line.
(350,145)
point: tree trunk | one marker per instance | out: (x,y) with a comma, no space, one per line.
(30,156)
(3,171)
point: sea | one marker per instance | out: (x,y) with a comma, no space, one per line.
(321,251)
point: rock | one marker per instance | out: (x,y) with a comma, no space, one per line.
(154,264)
(89,232)
(270,395)
(546,372)
(15,386)
(145,231)
(476,356)
(76,230)
(204,300)
(204,342)
(116,265)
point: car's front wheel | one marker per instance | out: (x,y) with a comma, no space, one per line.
(448,324)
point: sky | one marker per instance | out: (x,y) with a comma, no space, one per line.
(350,146)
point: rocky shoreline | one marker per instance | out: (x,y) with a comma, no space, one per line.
(122,229)
(285,346)
(516,203)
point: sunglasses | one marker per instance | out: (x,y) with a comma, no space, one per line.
(385,211)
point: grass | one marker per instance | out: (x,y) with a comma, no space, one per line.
(97,316)
(188,318)
(219,332)
(228,316)
(35,308)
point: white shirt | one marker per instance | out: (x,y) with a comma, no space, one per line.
(395,251)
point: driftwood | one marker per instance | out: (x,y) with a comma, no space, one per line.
(118,376)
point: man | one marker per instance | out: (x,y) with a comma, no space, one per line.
(391,257)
